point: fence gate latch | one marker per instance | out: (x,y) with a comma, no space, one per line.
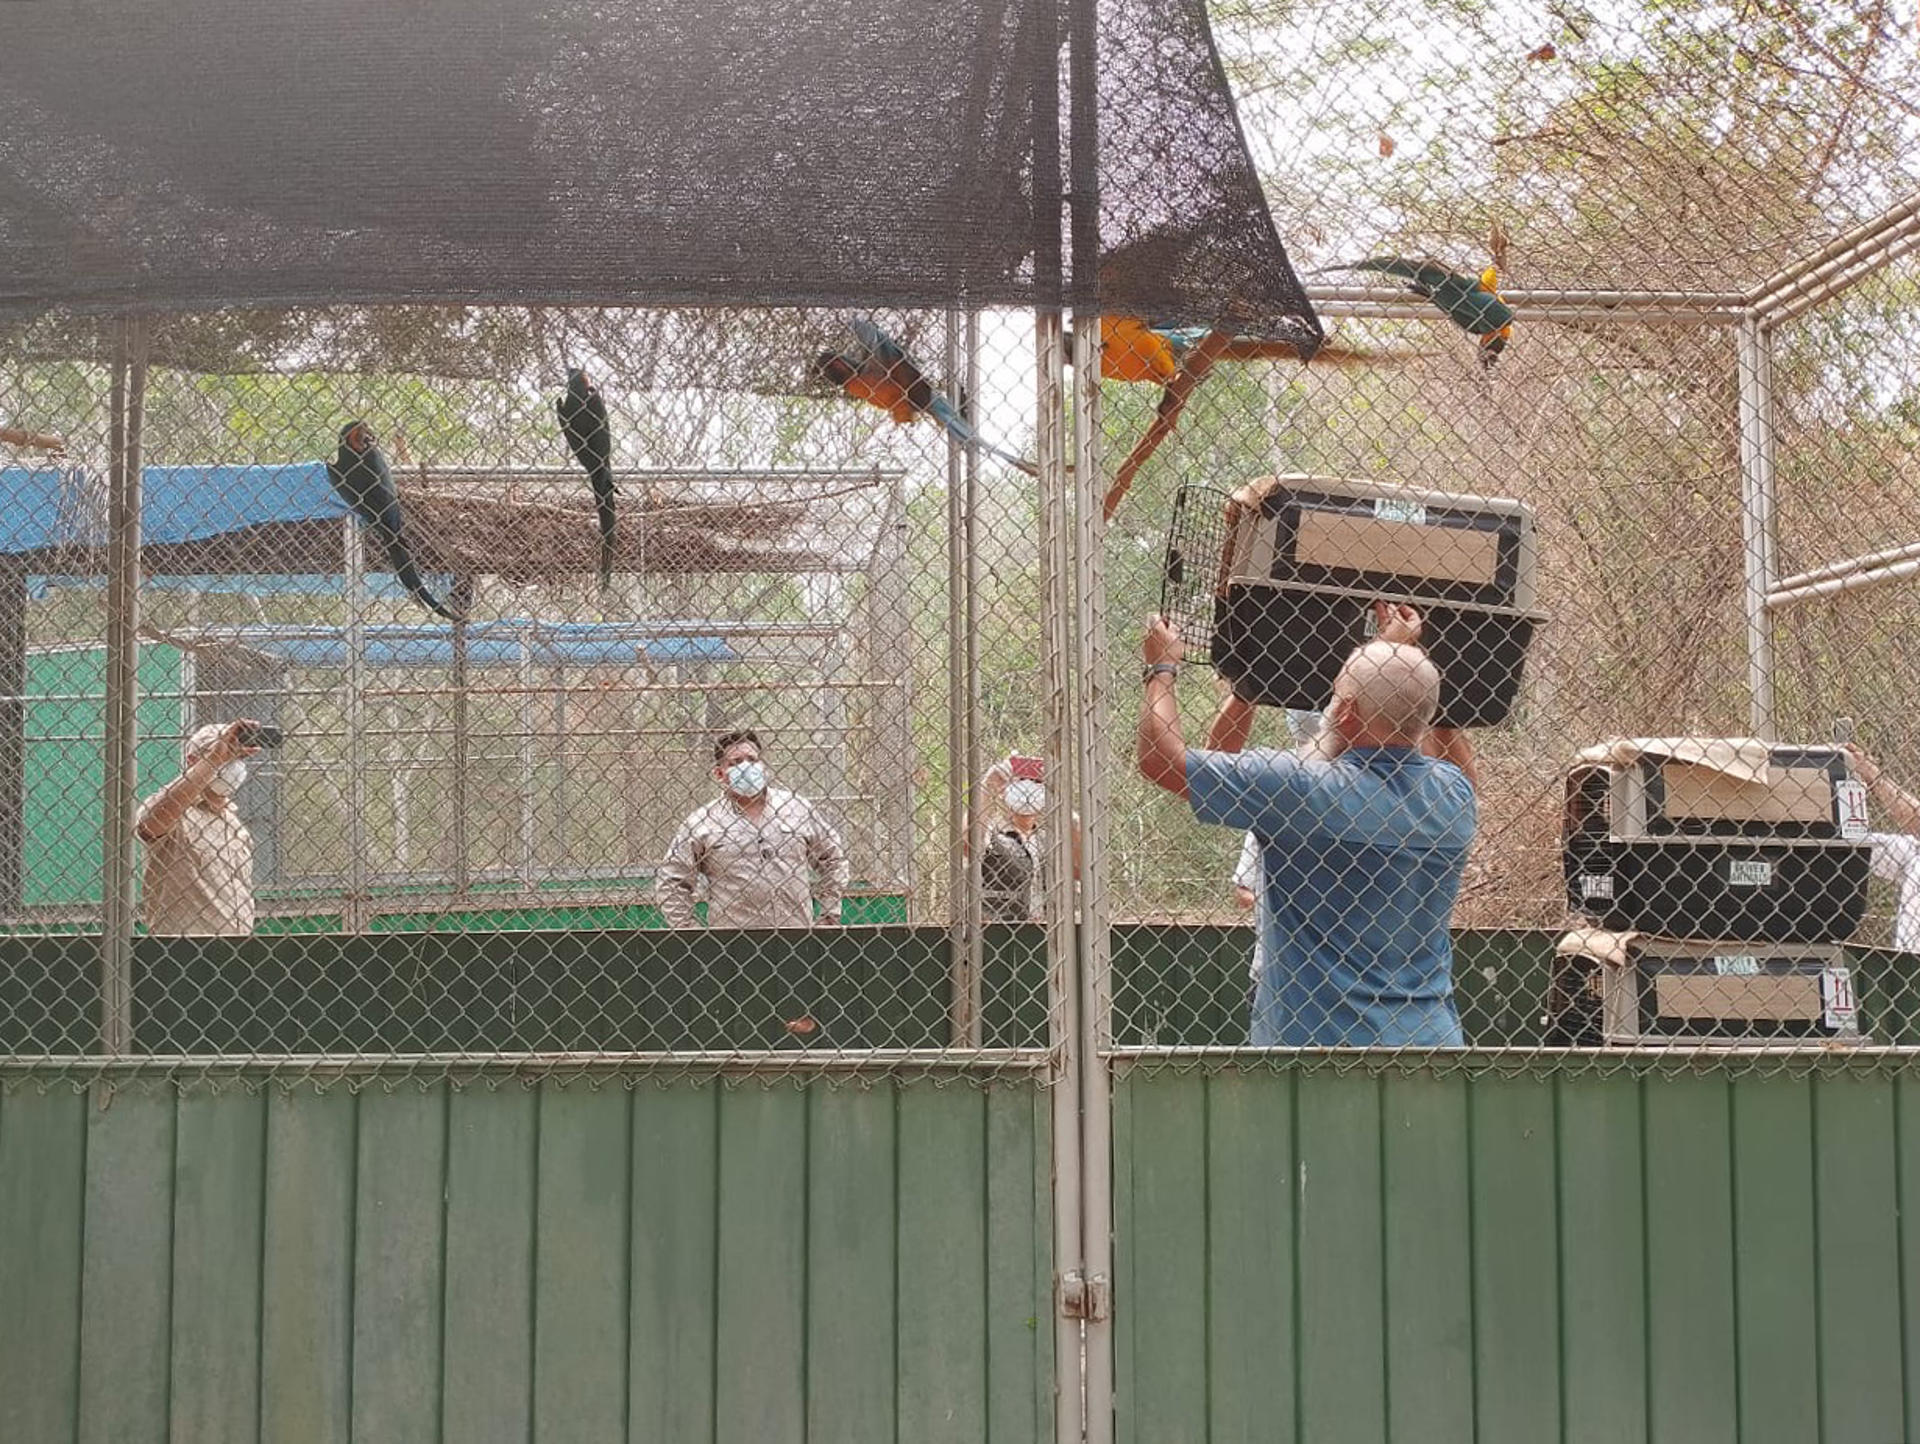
(1083,1298)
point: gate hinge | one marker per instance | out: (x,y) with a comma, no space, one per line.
(1084,1298)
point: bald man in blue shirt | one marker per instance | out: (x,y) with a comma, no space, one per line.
(1363,840)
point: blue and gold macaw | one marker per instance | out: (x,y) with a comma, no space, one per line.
(879,372)
(1471,302)
(1179,358)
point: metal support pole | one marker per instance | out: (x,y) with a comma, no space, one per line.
(1812,279)
(127,400)
(888,633)
(528,815)
(1387,301)
(1756,495)
(965,950)
(13,734)
(1855,581)
(356,905)
(970,617)
(959,723)
(1094,669)
(1840,570)
(462,600)
(1057,660)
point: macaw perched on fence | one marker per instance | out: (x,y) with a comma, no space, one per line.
(879,372)
(1180,358)
(1470,302)
(365,482)
(583,422)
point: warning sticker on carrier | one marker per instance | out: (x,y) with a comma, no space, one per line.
(1596,884)
(1850,801)
(1742,872)
(1395,508)
(1839,1008)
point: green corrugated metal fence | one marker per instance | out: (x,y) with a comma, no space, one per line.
(558,1263)
(1323,1256)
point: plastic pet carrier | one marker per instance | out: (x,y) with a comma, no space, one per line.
(1276,585)
(1717,838)
(1625,988)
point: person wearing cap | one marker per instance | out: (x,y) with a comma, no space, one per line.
(1896,855)
(1363,841)
(767,856)
(198,879)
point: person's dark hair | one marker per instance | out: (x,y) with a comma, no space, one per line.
(733,739)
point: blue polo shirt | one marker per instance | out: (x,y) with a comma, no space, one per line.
(1362,859)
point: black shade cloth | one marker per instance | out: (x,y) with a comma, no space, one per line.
(181,154)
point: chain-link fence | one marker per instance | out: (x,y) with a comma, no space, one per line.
(685,782)
(1617,395)
(511,585)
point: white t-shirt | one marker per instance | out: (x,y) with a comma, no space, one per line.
(1246,874)
(1896,857)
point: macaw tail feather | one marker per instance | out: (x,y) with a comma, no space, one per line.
(417,587)
(603,503)
(962,429)
(964,432)
(400,558)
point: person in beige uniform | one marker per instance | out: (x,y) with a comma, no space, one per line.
(199,872)
(766,855)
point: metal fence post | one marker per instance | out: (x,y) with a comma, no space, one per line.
(127,401)
(355,910)
(963,698)
(1756,510)
(1093,715)
(462,599)
(1057,660)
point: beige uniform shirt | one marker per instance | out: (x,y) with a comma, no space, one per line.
(199,876)
(760,874)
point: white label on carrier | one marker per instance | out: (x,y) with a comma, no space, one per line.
(1394,508)
(1596,884)
(1749,874)
(1850,799)
(1839,1008)
(1737,965)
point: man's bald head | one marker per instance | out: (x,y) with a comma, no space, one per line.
(1391,691)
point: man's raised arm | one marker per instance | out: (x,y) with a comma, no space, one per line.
(1158,747)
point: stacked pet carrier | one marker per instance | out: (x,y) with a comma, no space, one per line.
(1719,878)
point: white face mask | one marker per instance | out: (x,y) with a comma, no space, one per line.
(747,779)
(227,780)
(1026,798)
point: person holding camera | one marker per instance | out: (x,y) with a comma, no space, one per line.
(766,854)
(198,880)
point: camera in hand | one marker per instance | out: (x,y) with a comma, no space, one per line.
(260,734)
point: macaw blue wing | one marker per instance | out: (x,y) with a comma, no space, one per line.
(1182,338)
(878,343)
